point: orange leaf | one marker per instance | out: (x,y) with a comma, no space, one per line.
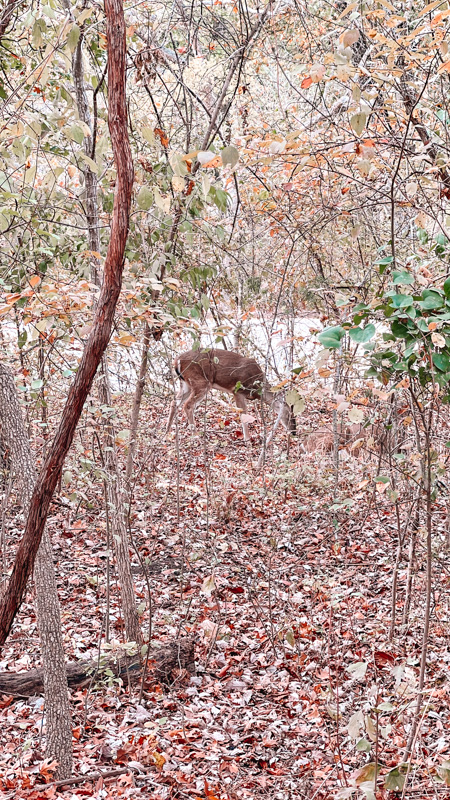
(164,139)
(306,82)
(35,280)
(383,659)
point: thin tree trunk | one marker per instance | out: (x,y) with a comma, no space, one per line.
(411,556)
(428,594)
(57,708)
(102,325)
(137,400)
(116,506)
(114,489)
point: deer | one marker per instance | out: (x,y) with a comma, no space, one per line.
(227,371)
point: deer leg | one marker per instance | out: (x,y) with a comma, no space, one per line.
(194,398)
(282,410)
(241,403)
(185,391)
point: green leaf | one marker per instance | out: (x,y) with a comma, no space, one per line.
(220,198)
(22,338)
(409,351)
(90,162)
(384,263)
(444,772)
(229,155)
(331,337)
(145,198)
(431,301)
(441,244)
(178,165)
(401,300)
(365,773)
(399,330)
(362,335)
(76,133)
(403,277)
(37,34)
(422,325)
(447,287)
(358,122)
(73,37)
(395,779)
(49,11)
(294,399)
(363,746)
(441,361)
(148,135)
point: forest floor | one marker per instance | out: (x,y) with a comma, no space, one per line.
(285,582)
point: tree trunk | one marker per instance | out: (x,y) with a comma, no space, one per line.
(137,400)
(102,325)
(163,664)
(116,503)
(59,728)
(114,488)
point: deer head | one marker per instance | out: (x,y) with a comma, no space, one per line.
(203,370)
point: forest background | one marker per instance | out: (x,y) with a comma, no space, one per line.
(272,179)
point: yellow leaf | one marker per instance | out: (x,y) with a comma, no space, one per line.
(178,183)
(159,759)
(125,339)
(445,67)
(429,8)
(348,10)
(190,156)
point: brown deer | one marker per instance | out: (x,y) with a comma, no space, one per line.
(205,369)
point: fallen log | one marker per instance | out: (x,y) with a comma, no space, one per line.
(162,663)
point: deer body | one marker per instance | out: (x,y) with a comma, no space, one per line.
(203,370)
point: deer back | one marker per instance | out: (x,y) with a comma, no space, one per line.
(222,369)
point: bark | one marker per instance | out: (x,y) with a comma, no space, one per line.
(137,400)
(57,708)
(6,14)
(102,325)
(114,488)
(116,504)
(162,664)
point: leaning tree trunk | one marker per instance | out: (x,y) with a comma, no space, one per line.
(114,488)
(101,328)
(57,709)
